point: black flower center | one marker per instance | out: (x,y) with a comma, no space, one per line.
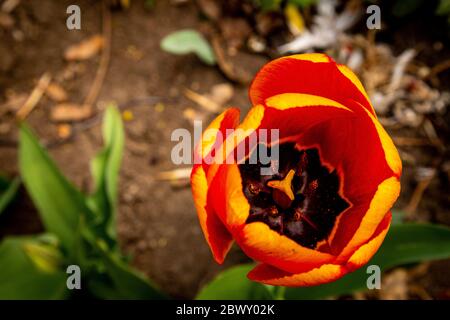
(301,200)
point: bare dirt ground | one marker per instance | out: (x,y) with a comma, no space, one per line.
(157,223)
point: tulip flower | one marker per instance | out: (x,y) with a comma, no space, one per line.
(326,210)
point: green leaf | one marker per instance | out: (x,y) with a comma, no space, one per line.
(403,8)
(105,169)
(46,257)
(398,217)
(59,203)
(268,5)
(20,278)
(125,283)
(443,7)
(8,191)
(233,284)
(303,3)
(149,4)
(189,41)
(406,243)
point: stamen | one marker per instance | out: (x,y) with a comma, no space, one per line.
(284,185)
(303,204)
(273,211)
(253,188)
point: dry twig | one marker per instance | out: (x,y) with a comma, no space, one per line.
(34,97)
(104,59)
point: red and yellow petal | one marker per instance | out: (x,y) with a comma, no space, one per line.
(261,243)
(385,196)
(364,253)
(250,124)
(217,236)
(324,273)
(364,156)
(315,74)
(390,151)
(229,119)
(295,113)
(227,197)
(257,240)
(272,276)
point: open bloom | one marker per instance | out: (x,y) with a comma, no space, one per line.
(326,210)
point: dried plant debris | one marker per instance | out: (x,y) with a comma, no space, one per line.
(398,91)
(327,28)
(55,92)
(394,91)
(70,112)
(215,100)
(85,49)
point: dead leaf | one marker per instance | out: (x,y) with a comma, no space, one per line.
(193,115)
(6,20)
(202,100)
(68,112)
(34,97)
(85,49)
(210,8)
(176,174)
(13,103)
(55,92)
(9,5)
(64,130)
(221,93)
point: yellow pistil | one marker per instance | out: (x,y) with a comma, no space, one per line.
(284,185)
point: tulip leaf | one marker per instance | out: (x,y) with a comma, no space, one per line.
(122,282)
(398,217)
(105,169)
(404,244)
(8,191)
(22,278)
(268,5)
(60,204)
(189,41)
(233,284)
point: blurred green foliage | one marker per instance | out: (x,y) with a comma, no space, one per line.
(402,8)
(444,9)
(189,41)
(8,191)
(272,5)
(80,228)
(405,243)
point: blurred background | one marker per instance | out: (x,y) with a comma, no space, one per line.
(166,63)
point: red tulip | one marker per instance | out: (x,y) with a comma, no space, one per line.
(327,210)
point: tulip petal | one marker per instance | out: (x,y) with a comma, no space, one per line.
(272,276)
(217,236)
(364,156)
(295,113)
(229,119)
(385,196)
(263,244)
(390,151)
(315,74)
(228,199)
(361,256)
(241,132)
